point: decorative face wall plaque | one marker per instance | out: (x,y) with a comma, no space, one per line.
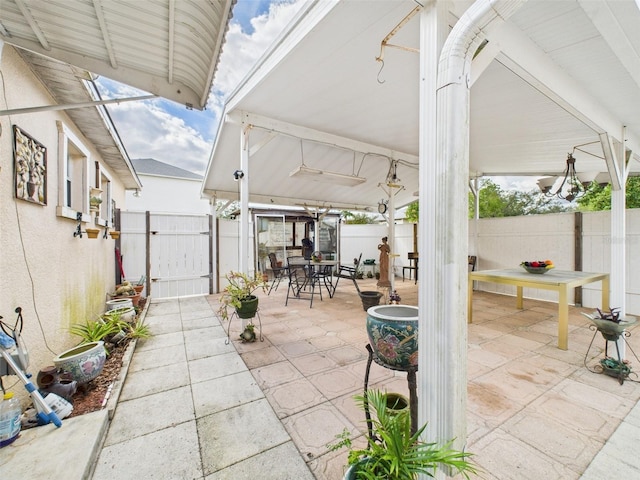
(30,161)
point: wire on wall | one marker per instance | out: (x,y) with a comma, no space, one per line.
(22,246)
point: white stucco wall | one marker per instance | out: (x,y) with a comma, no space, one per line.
(56,278)
(168,195)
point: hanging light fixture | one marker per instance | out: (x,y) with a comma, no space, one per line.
(572,185)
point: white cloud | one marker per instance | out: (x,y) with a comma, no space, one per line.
(241,51)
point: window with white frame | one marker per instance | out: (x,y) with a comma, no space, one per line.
(104,216)
(73,174)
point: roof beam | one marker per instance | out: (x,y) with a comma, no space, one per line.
(106,38)
(525,59)
(172,33)
(287,201)
(304,133)
(33,24)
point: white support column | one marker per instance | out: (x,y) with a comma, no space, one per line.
(440,404)
(392,238)
(617,296)
(444,171)
(244,200)
(214,259)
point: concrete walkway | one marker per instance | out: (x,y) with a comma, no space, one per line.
(190,409)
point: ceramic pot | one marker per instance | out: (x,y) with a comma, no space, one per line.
(127,314)
(134,299)
(138,288)
(119,302)
(248,308)
(396,402)
(83,362)
(393,335)
(352,471)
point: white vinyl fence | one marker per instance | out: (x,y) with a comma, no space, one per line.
(183,263)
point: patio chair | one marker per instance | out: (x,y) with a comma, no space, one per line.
(279,272)
(412,267)
(349,272)
(302,281)
(471,261)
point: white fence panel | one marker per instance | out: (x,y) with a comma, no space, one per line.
(132,245)
(179,255)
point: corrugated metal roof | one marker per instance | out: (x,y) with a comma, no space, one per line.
(168,48)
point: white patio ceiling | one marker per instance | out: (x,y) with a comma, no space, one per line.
(555,75)
(165,47)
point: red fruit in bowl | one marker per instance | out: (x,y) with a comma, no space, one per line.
(535,264)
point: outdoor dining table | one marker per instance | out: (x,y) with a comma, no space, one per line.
(558,280)
(313,267)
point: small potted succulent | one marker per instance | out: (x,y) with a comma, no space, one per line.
(238,295)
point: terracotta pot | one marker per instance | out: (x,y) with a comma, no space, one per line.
(84,362)
(138,288)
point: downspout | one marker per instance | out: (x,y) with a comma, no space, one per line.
(443,317)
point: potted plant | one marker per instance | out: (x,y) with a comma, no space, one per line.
(94,203)
(249,333)
(238,295)
(393,453)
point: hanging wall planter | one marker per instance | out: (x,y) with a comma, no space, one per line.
(93,232)
(114,234)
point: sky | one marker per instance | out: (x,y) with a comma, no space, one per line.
(167,131)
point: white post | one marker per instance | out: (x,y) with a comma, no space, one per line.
(244,199)
(617,295)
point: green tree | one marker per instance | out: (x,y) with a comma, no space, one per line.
(357,218)
(495,202)
(599,198)
(412,214)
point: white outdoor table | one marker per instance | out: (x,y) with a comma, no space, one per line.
(558,280)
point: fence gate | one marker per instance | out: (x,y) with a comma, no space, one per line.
(173,252)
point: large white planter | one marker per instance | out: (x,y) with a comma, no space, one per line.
(119,303)
(127,314)
(84,362)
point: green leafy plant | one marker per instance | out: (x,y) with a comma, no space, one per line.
(138,330)
(395,454)
(95,330)
(241,286)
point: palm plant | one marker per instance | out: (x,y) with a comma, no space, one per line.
(393,453)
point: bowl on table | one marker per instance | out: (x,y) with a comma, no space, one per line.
(537,267)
